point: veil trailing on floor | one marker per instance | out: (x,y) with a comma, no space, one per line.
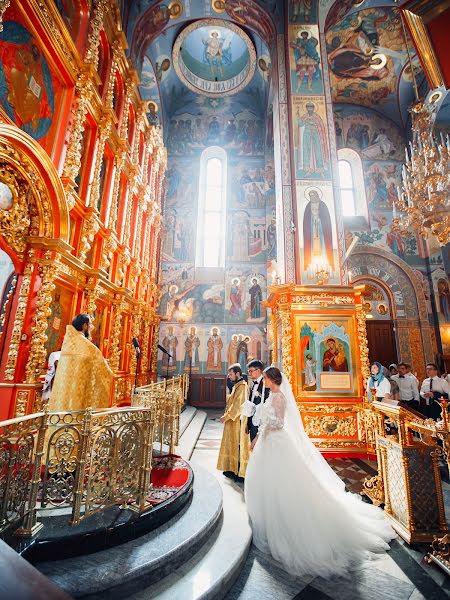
(294,427)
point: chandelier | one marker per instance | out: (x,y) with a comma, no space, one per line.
(423,200)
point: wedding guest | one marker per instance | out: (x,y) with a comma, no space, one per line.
(432,390)
(235,446)
(407,385)
(393,369)
(378,386)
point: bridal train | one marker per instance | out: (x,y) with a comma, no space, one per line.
(299,510)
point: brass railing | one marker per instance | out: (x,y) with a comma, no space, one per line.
(84,460)
(411,434)
(167,411)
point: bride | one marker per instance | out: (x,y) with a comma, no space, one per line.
(298,507)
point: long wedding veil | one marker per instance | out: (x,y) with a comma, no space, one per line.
(294,427)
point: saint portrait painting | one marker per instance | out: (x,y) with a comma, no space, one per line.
(26,89)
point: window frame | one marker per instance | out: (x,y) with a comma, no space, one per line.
(360,217)
(211,153)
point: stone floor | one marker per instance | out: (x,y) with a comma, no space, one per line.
(399,575)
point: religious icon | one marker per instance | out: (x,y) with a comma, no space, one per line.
(54,328)
(334,358)
(307,61)
(382,309)
(301,11)
(255,292)
(444,299)
(6,196)
(317,233)
(310,371)
(170,343)
(232,349)
(217,52)
(235,298)
(214,345)
(191,346)
(312,150)
(26,89)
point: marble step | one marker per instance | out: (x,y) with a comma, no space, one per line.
(126,568)
(211,573)
(190,433)
(186,417)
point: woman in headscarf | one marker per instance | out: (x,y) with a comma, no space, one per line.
(378,386)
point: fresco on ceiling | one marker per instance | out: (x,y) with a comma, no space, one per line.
(213,57)
(145,25)
(149,91)
(312,157)
(367,132)
(242,133)
(26,85)
(366,54)
(245,290)
(249,14)
(303,11)
(304,60)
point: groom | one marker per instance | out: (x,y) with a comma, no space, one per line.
(258,394)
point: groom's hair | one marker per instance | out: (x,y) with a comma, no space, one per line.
(255,364)
(237,370)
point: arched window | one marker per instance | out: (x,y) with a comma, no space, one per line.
(210,251)
(352,187)
(347,189)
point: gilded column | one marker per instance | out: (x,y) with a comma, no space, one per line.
(363,347)
(116,48)
(115,352)
(90,228)
(155,336)
(145,344)
(95,29)
(286,342)
(38,354)
(105,128)
(18,322)
(92,292)
(83,94)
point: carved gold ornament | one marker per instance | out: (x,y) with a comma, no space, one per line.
(19,317)
(330,425)
(286,343)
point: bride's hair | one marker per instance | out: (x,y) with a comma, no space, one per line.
(274,375)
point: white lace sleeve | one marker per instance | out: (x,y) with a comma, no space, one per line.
(274,415)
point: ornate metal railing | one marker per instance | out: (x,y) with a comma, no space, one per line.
(175,391)
(409,430)
(84,460)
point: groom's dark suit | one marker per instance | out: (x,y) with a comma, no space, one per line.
(257,387)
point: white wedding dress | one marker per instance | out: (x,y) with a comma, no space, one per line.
(299,510)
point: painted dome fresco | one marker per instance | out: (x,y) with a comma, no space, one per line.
(214,57)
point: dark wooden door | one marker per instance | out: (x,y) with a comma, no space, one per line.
(381,341)
(207,391)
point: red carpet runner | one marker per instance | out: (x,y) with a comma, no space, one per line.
(170,474)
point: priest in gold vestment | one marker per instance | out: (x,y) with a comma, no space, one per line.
(235,447)
(83,378)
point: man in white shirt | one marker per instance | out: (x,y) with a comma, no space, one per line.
(408,391)
(432,390)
